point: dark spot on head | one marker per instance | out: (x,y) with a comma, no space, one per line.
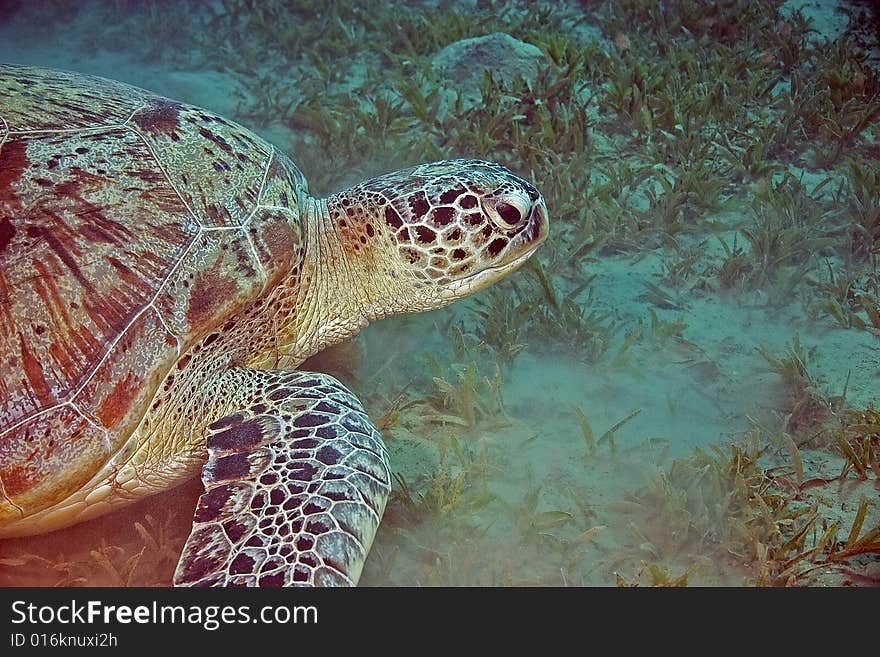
(392,218)
(327,432)
(82,150)
(308,559)
(212,504)
(259,500)
(277,495)
(412,255)
(311,509)
(419,205)
(239,437)
(474,219)
(310,420)
(336,496)
(468,201)
(324,407)
(425,234)
(459,254)
(370,230)
(443,216)
(450,195)
(316,526)
(292,503)
(496,245)
(304,472)
(328,455)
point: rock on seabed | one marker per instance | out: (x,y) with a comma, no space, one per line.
(463,63)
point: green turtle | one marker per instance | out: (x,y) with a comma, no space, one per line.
(163,271)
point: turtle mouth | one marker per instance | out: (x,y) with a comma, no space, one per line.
(514,255)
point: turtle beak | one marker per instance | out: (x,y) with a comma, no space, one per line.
(517,252)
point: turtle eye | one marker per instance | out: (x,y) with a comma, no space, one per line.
(509,214)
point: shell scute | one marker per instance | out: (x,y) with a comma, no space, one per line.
(214,279)
(85,253)
(50,457)
(39,99)
(224,189)
(119,391)
(277,237)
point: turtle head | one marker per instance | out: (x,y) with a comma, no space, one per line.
(437,232)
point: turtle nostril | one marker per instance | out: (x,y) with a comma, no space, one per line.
(508,213)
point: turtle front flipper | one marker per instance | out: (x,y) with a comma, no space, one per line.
(295,486)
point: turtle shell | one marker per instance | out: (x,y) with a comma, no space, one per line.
(130,225)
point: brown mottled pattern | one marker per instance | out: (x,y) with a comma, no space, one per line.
(224,189)
(40,99)
(276,237)
(100,257)
(122,387)
(49,458)
(216,278)
(82,216)
(276,231)
(282,177)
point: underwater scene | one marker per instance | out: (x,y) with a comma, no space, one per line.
(680,387)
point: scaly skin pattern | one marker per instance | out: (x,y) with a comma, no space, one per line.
(147,247)
(295,486)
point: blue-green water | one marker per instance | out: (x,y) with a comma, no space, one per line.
(711,276)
